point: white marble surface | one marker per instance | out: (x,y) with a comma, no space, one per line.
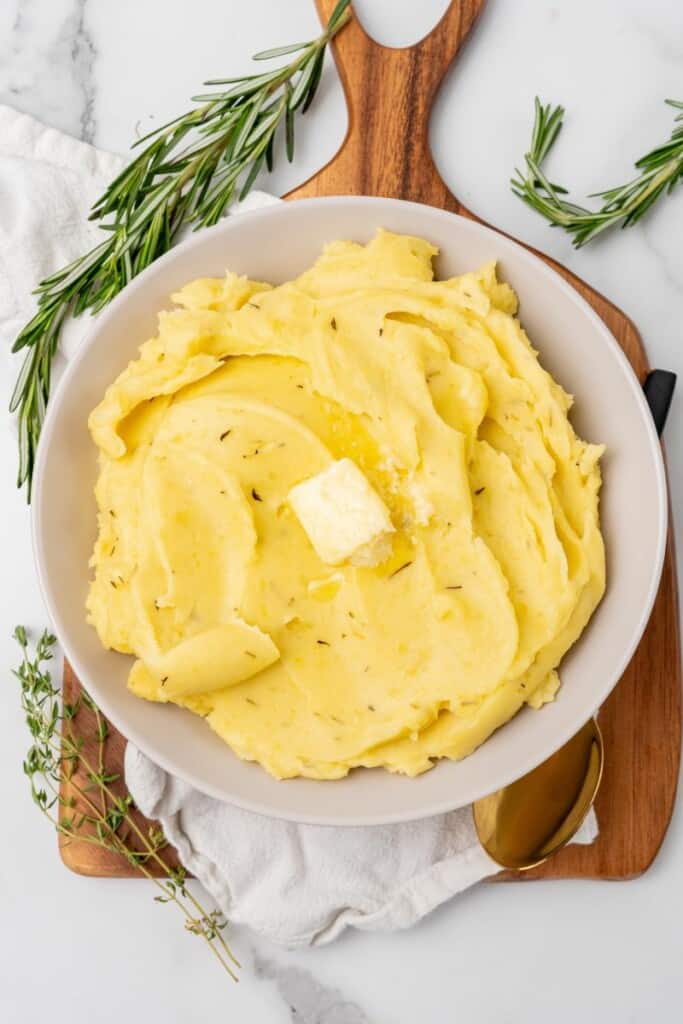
(76,950)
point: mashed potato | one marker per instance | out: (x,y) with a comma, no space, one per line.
(204,573)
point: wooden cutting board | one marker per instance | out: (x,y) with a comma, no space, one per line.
(386,153)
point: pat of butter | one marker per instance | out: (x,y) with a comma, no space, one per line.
(344,518)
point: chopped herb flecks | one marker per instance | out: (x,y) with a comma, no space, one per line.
(400,569)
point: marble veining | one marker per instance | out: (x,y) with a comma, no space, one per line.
(669,45)
(83,55)
(47,57)
(309,1000)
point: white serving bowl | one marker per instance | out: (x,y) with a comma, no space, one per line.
(275,244)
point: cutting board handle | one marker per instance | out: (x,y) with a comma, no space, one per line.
(389,94)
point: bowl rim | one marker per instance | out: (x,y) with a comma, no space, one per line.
(39,513)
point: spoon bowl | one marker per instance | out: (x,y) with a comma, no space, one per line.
(523,824)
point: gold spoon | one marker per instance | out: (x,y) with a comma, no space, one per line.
(523,824)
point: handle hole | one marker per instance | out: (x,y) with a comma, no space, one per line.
(399,23)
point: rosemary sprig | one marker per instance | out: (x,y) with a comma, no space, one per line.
(94,813)
(188,172)
(660,170)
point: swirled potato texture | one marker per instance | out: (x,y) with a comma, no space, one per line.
(492,563)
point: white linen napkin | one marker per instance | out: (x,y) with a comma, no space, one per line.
(296,884)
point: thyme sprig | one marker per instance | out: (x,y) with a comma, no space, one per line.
(660,170)
(93,813)
(186,173)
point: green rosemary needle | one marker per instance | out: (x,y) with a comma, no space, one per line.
(660,170)
(94,813)
(187,172)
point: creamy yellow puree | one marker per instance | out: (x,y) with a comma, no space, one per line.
(203,572)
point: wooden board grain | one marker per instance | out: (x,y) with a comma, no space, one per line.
(386,152)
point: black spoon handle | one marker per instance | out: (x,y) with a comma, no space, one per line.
(659,390)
